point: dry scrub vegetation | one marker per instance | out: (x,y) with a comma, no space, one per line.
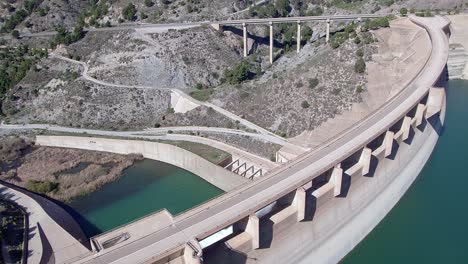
(57,172)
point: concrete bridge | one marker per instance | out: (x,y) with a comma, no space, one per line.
(271,21)
(322,203)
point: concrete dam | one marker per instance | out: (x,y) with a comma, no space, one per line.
(316,207)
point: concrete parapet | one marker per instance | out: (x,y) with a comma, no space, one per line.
(253,229)
(133,231)
(324,194)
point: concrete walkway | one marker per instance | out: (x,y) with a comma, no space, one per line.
(64,248)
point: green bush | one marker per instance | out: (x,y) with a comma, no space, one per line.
(360,53)
(238,74)
(42,187)
(360,66)
(403,11)
(359,89)
(305,104)
(129,12)
(334,44)
(357,40)
(202,95)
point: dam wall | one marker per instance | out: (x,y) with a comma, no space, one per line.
(216,175)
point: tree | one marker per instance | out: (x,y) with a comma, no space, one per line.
(360,66)
(313,83)
(129,12)
(403,11)
(15,34)
(238,74)
(305,104)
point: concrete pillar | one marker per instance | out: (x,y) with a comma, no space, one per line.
(406,126)
(388,143)
(327,38)
(337,178)
(253,229)
(271,42)
(244,27)
(420,112)
(300,203)
(191,256)
(298,36)
(365,160)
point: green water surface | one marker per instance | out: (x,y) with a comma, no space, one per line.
(430,223)
(144,188)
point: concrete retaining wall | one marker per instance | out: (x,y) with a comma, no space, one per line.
(170,154)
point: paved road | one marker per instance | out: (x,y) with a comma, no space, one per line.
(246,200)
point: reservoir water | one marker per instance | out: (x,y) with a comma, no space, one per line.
(144,188)
(430,223)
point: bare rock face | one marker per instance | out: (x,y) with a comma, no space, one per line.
(174,59)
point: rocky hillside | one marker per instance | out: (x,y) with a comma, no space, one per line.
(174,59)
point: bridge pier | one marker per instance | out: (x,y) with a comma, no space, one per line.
(327,38)
(299,202)
(298,36)
(271,42)
(337,178)
(244,27)
(253,229)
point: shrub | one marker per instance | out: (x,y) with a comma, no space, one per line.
(357,40)
(334,44)
(313,83)
(360,53)
(403,11)
(359,89)
(42,187)
(238,74)
(360,66)
(199,86)
(129,12)
(15,34)
(299,84)
(305,104)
